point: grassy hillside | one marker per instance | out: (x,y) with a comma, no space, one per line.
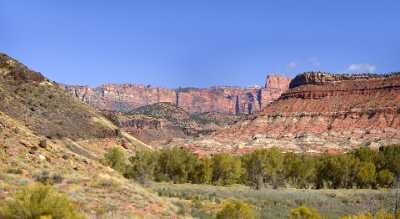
(47,135)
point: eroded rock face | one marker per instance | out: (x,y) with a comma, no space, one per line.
(233,100)
(324,112)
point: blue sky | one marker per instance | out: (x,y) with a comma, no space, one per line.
(199,43)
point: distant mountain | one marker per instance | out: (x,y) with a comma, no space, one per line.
(220,99)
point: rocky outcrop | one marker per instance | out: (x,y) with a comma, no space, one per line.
(161,122)
(233,100)
(323,112)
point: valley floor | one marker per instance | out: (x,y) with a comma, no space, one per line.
(200,201)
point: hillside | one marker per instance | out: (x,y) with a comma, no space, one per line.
(46,131)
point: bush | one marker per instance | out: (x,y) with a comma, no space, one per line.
(39,201)
(115,158)
(304,213)
(45,178)
(236,209)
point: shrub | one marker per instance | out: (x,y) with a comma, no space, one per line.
(45,178)
(39,201)
(115,158)
(236,209)
(304,213)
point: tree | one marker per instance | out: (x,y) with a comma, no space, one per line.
(115,158)
(39,201)
(227,169)
(142,166)
(236,209)
(389,158)
(263,166)
(385,178)
(304,213)
(366,174)
(175,164)
(300,170)
(203,171)
(365,154)
(336,170)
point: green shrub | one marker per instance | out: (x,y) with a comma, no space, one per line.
(236,209)
(39,201)
(115,158)
(304,213)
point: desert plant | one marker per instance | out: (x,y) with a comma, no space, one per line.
(304,213)
(46,178)
(39,201)
(236,209)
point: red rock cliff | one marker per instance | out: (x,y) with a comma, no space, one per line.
(322,111)
(126,97)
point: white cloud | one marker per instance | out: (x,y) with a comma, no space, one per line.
(361,68)
(291,65)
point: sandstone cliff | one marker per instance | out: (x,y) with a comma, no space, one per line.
(233,100)
(322,112)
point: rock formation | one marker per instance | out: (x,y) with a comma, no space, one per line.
(322,112)
(233,100)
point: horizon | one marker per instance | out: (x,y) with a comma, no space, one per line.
(207,44)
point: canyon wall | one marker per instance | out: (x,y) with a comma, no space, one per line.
(323,112)
(232,100)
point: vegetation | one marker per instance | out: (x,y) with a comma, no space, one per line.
(361,168)
(236,209)
(278,203)
(39,201)
(304,213)
(115,158)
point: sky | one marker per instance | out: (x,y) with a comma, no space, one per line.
(199,43)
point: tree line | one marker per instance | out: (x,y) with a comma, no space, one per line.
(359,168)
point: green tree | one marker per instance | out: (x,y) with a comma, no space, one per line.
(227,169)
(142,166)
(39,201)
(236,209)
(365,154)
(337,171)
(115,158)
(366,174)
(304,213)
(203,171)
(263,166)
(385,178)
(389,158)
(175,164)
(300,170)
